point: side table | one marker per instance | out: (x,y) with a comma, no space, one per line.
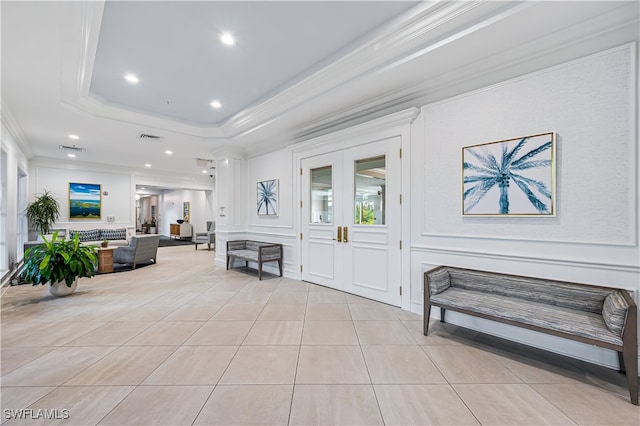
(105,260)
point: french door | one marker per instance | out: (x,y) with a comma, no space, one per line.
(351,220)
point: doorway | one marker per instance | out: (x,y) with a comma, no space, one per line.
(351,220)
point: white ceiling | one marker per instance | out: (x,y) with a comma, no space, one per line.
(299,69)
(174,48)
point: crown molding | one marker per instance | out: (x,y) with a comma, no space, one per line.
(15,131)
(391,121)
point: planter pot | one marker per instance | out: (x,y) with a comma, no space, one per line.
(60,289)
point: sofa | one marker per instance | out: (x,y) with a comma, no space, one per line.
(142,248)
(254,251)
(115,236)
(601,316)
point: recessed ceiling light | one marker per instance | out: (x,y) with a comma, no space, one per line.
(227,39)
(168,152)
(204,171)
(147,165)
(74,137)
(71,155)
(132,78)
(216,104)
(143,187)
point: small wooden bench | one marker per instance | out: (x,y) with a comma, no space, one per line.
(254,251)
(601,316)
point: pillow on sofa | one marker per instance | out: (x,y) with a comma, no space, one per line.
(113,234)
(88,235)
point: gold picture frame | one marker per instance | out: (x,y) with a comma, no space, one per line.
(510,177)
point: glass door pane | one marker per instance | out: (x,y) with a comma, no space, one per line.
(370,191)
(321,195)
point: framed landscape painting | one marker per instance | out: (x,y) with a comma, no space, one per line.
(513,177)
(268,198)
(85,201)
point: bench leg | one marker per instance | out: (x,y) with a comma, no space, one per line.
(621,361)
(280,265)
(442,311)
(228,257)
(425,318)
(631,367)
(259,270)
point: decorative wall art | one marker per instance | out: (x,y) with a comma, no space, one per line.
(85,201)
(268,197)
(513,177)
(186,211)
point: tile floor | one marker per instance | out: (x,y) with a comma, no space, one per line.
(185,342)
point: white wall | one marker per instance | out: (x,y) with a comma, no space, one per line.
(16,159)
(119,203)
(590,104)
(281,228)
(171,204)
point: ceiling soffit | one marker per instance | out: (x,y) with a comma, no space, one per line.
(425,29)
(397,39)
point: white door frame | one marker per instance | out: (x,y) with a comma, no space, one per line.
(393,125)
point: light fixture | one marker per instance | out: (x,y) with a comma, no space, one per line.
(74,137)
(71,155)
(216,104)
(227,38)
(204,171)
(147,165)
(168,152)
(143,187)
(132,78)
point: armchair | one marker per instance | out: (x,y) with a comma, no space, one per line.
(140,249)
(208,237)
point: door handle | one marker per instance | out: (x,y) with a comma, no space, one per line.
(346,234)
(339,239)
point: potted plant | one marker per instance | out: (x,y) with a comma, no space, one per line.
(43,212)
(59,263)
(105,243)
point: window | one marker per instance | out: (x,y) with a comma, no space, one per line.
(22,228)
(321,195)
(4,252)
(370,191)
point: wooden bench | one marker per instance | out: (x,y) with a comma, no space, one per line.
(254,251)
(601,316)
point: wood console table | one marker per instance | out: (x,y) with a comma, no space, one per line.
(180,230)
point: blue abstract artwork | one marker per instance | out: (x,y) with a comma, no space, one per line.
(514,177)
(85,201)
(268,197)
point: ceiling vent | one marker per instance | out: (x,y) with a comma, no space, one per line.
(205,163)
(72,148)
(146,136)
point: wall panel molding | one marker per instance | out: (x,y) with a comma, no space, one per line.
(527,259)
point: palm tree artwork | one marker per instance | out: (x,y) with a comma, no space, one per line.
(268,197)
(512,177)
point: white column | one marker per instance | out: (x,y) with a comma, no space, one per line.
(231,191)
